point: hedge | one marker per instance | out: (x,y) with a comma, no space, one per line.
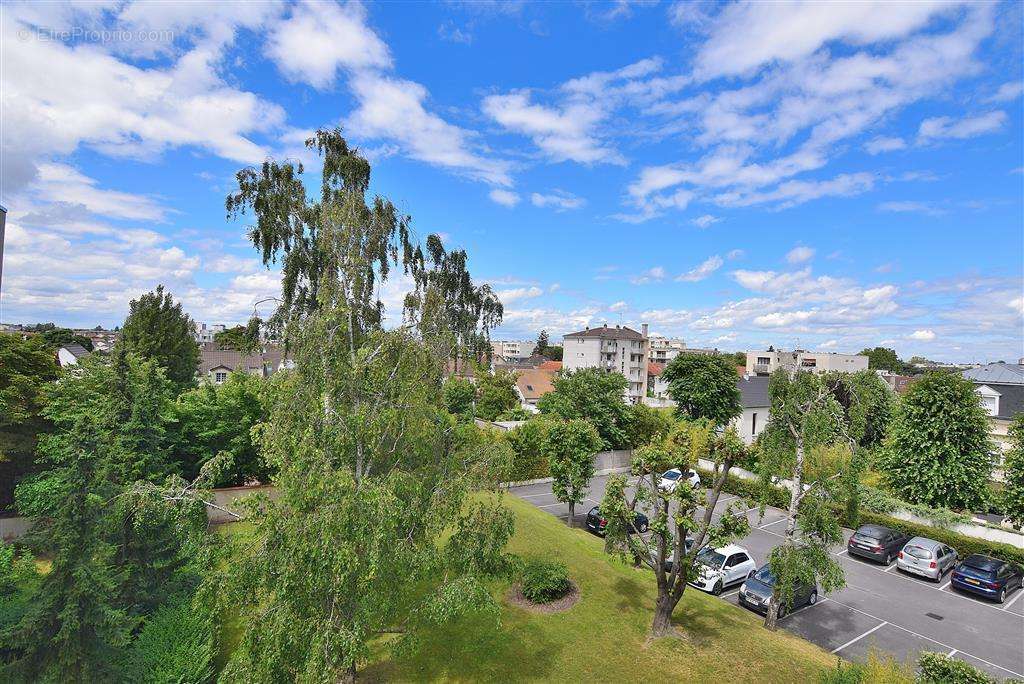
(964,545)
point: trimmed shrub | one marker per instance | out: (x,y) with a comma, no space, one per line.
(544,581)
(938,668)
(175,646)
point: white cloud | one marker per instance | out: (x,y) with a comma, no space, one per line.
(922,335)
(558,199)
(515,294)
(908,206)
(1007,92)
(734,254)
(705,220)
(749,34)
(505,198)
(321,37)
(651,275)
(799,254)
(829,344)
(618,306)
(969,127)
(883,144)
(705,269)
(71,186)
(393,109)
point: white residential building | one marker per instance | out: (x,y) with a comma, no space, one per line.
(205,334)
(512,350)
(664,349)
(754,400)
(766,362)
(619,349)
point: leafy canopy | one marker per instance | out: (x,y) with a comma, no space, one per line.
(704,386)
(1013,468)
(156,328)
(938,449)
(593,395)
(570,447)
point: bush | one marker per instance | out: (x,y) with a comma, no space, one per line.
(938,668)
(175,645)
(544,581)
(877,670)
(527,443)
(964,545)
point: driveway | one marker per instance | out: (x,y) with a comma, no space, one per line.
(880,607)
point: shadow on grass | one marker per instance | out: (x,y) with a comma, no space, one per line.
(632,593)
(474,649)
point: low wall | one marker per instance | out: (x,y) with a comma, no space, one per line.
(14,527)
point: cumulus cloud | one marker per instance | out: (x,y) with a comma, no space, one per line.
(705,220)
(799,254)
(922,335)
(518,293)
(969,127)
(883,144)
(559,200)
(1007,92)
(651,275)
(505,198)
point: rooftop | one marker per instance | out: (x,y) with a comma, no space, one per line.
(607,333)
(997,373)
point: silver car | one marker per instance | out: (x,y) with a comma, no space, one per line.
(926,557)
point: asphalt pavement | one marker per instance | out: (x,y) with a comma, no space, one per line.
(880,608)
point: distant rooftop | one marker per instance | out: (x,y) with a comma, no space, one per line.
(997,374)
(607,333)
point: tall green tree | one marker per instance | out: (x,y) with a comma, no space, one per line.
(218,420)
(570,447)
(373,473)
(593,395)
(704,386)
(157,328)
(938,451)
(646,425)
(542,343)
(496,392)
(883,358)
(1013,473)
(116,550)
(684,513)
(806,442)
(26,367)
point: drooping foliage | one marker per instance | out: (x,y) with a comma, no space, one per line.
(938,451)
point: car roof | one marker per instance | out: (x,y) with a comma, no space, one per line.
(873,529)
(731,548)
(976,560)
(925,542)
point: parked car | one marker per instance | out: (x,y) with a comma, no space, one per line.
(719,568)
(597,522)
(670,479)
(926,557)
(877,543)
(756,592)
(687,545)
(988,577)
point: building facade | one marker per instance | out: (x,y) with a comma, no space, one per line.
(616,350)
(513,350)
(767,362)
(1001,389)
(754,400)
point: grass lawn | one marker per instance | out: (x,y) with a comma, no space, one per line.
(603,637)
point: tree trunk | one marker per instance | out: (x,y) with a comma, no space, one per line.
(795,490)
(662,625)
(572,514)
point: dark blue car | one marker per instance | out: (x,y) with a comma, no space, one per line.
(988,577)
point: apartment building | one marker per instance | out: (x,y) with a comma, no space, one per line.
(663,349)
(619,349)
(1001,389)
(766,362)
(513,350)
(205,334)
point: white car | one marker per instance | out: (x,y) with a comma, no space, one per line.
(670,479)
(721,568)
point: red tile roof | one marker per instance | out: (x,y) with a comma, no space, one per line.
(655,369)
(550,366)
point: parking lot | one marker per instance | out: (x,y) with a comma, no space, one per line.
(880,608)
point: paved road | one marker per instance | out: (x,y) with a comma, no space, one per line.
(880,607)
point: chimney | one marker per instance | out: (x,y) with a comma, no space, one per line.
(643,329)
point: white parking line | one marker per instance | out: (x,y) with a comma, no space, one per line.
(729,593)
(945,585)
(552,505)
(761,527)
(856,639)
(921,636)
(890,567)
(951,653)
(841,552)
(1020,592)
(533,496)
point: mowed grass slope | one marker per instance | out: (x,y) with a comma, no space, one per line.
(604,637)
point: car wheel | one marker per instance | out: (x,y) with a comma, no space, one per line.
(813,598)
(782,612)
(888,559)
(1002,595)
(717,589)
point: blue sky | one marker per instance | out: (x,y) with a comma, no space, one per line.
(738,175)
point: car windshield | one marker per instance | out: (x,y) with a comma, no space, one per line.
(918,552)
(765,575)
(985,571)
(865,537)
(595,511)
(710,558)
(671,474)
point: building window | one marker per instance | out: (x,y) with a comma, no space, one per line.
(219,377)
(808,363)
(753,424)
(763,361)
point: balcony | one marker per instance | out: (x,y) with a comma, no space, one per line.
(762,369)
